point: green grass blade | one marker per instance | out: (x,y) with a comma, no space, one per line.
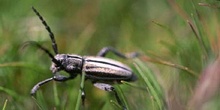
(149,75)
(122,96)
(77,107)
(151,82)
(115,104)
(200,31)
(40,101)
(10,92)
(5,104)
(36,102)
(167,63)
(133,85)
(13,64)
(56,98)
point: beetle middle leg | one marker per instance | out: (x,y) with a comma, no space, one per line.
(105,50)
(110,88)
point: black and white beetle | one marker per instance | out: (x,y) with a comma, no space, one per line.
(100,70)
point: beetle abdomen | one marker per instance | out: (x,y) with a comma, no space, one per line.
(100,68)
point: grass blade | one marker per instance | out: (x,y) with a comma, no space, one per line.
(56,98)
(13,64)
(36,102)
(116,104)
(200,31)
(5,104)
(10,92)
(122,96)
(160,61)
(80,91)
(151,82)
(133,85)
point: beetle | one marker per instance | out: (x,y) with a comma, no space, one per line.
(101,71)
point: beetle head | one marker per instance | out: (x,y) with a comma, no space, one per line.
(66,62)
(57,66)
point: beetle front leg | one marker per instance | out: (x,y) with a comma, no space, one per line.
(109,88)
(60,78)
(105,50)
(38,85)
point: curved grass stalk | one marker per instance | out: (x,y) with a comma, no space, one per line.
(12,64)
(160,61)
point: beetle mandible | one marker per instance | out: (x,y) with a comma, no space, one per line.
(100,70)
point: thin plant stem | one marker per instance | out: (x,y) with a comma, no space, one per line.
(80,91)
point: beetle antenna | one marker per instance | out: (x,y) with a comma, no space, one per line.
(54,45)
(44,49)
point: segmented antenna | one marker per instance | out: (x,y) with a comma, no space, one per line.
(44,49)
(54,45)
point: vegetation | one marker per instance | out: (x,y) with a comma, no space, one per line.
(179,42)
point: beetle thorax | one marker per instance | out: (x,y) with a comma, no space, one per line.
(68,62)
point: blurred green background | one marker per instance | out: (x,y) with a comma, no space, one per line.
(178,39)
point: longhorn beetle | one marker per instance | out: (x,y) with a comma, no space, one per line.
(100,70)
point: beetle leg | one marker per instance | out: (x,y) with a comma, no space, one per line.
(37,86)
(61,78)
(57,77)
(109,88)
(105,50)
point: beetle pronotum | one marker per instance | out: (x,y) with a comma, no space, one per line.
(101,71)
